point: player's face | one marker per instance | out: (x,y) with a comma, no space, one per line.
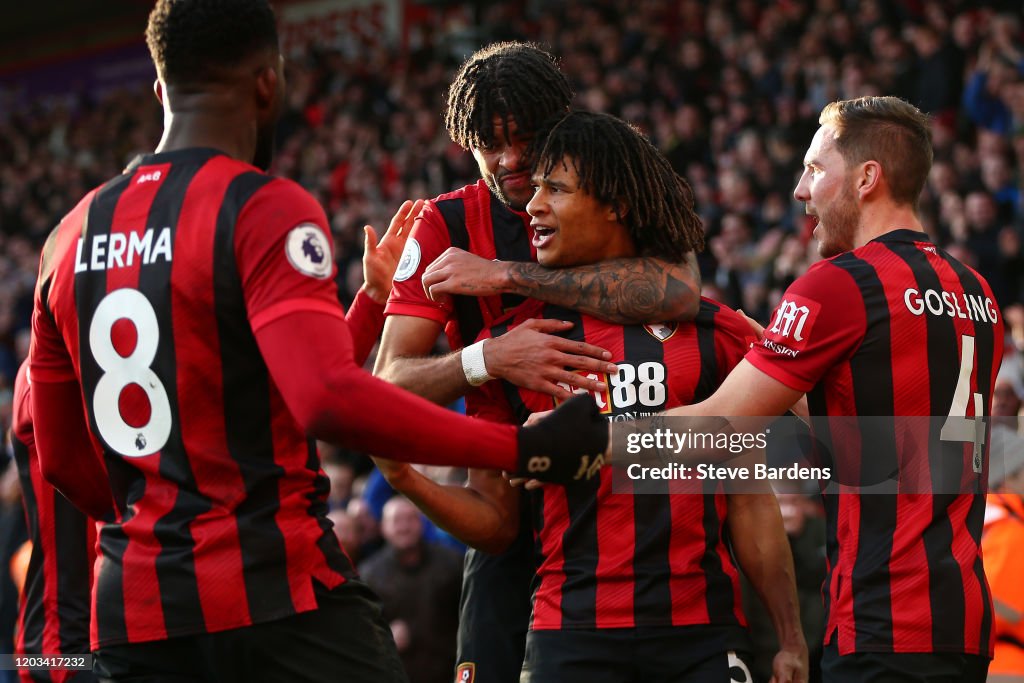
(826,188)
(571,227)
(504,165)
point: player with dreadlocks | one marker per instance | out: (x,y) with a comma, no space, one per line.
(500,97)
(622,581)
(620,168)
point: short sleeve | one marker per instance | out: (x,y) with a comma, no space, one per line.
(284,255)
(819,323)
(733,339)
(427,241)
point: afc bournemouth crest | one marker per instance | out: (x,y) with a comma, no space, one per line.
(661,331)
(465,672)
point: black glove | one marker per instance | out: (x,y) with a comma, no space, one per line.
(566,446)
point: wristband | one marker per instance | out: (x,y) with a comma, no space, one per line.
(473,365)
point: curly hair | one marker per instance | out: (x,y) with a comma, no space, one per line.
(618,165)
(517,81)
(190,39)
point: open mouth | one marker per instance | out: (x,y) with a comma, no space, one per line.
(542,236)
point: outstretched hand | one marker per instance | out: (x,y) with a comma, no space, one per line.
(381,257)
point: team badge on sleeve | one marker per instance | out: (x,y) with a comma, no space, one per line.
(791,324)
(309,251)
(410,261)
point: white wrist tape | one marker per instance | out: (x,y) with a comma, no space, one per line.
(473,365)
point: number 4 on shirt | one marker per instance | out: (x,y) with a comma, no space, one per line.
(958,427)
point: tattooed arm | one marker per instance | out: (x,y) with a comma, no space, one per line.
(625,291)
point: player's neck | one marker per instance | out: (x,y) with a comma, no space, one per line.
(880,218)
(208,122)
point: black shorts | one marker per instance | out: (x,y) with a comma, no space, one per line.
(911,667)
(667,654)
(346,639)
(494,613)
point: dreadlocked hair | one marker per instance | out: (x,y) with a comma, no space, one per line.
(191,40)
(511,80)
(618,165)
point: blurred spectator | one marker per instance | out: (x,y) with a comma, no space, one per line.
(347,531)
(367,527)
(341,474)
(419,585)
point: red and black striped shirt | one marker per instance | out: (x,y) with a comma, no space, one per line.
(896,328)
(621,561)
(53,616)
(158,280)
(473,219)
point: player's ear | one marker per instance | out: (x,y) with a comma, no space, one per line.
(158,90)
(616,212)
(266,87)
(869,178)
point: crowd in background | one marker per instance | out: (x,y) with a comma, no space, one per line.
(728,90)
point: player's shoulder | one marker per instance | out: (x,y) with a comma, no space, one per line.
(274,203)
(473,192)
(834,277)
(279,189)
(723,319)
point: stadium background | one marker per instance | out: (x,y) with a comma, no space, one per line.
(729,90)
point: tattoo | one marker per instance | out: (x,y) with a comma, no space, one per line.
(624,291)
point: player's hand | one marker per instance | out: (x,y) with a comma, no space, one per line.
(532,357)
(459,272)
(381,258)
(569,445)
(790,665)
(754,325)
(527,483)
(393,470)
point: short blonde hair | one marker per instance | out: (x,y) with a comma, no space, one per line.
(890,131)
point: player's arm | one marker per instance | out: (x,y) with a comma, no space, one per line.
(625,291)
(283,252)
(380,260)
(335,400)
(483,514)
(529,355)
(68,458)
(762,550)
(746,391)
(791,359)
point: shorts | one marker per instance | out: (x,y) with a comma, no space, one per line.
(902,667)
(667,654)
(345,639)
(494,613)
